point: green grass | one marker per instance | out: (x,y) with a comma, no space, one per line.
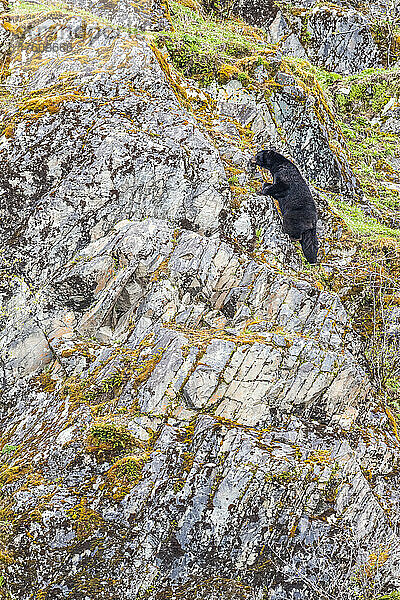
(230,38)
(325,78)
(201,46)
(357,100)
(370,151)
(368,91)
(27,8)
(360,224)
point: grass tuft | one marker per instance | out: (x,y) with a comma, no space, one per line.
(205,48)
(360,224)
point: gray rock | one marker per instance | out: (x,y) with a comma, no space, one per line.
(183,414)
(289,120)
(150,14)
(341,40)
(335,37)
(281,33)
(256,12)
(142,158)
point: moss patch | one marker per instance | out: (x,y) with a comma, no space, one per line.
(358,101)
(85,521)
(124,474)
(26,11)
(204,48)
(368,91)
(106,439)
(99,391)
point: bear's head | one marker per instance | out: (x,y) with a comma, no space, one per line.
(266,159)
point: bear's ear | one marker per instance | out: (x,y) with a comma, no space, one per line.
(263,158)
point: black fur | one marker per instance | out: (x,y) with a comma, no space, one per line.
(295,200)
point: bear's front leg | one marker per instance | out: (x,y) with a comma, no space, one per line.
(266,188)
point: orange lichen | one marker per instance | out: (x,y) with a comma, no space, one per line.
(85,521)
(374,562)
(393,422)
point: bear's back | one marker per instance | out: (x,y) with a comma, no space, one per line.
(297,194)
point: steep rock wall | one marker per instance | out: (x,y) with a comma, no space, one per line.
(335,37)
(185,412)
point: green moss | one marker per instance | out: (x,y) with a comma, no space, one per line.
(24,8)
(106,439)
(200,45)
(178,485)
(243,77)
(135,366)
(386,34)
(45,383)
(124,474)
(357,100)
(282,478)
(370,151)
(305,35)
(366,95)
(36,104)
(85,521)
(26,12)
(9,449)
(129,467)
(368,91)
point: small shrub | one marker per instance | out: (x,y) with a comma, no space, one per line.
(106,440)
(124,474)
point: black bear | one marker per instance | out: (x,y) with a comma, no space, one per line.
(295,200)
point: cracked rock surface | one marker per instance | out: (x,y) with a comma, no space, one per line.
(185,412)
(333,36)
(143,15)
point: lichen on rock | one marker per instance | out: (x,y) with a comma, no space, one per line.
(186,410)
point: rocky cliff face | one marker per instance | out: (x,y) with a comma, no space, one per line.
(187,410)
(338,38)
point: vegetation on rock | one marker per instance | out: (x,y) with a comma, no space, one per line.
(204,409)
(206,48)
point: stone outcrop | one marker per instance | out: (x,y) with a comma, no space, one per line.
(342,37)
(293,119)
(185,412)
(235,383)
(126,147)
(337,38)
